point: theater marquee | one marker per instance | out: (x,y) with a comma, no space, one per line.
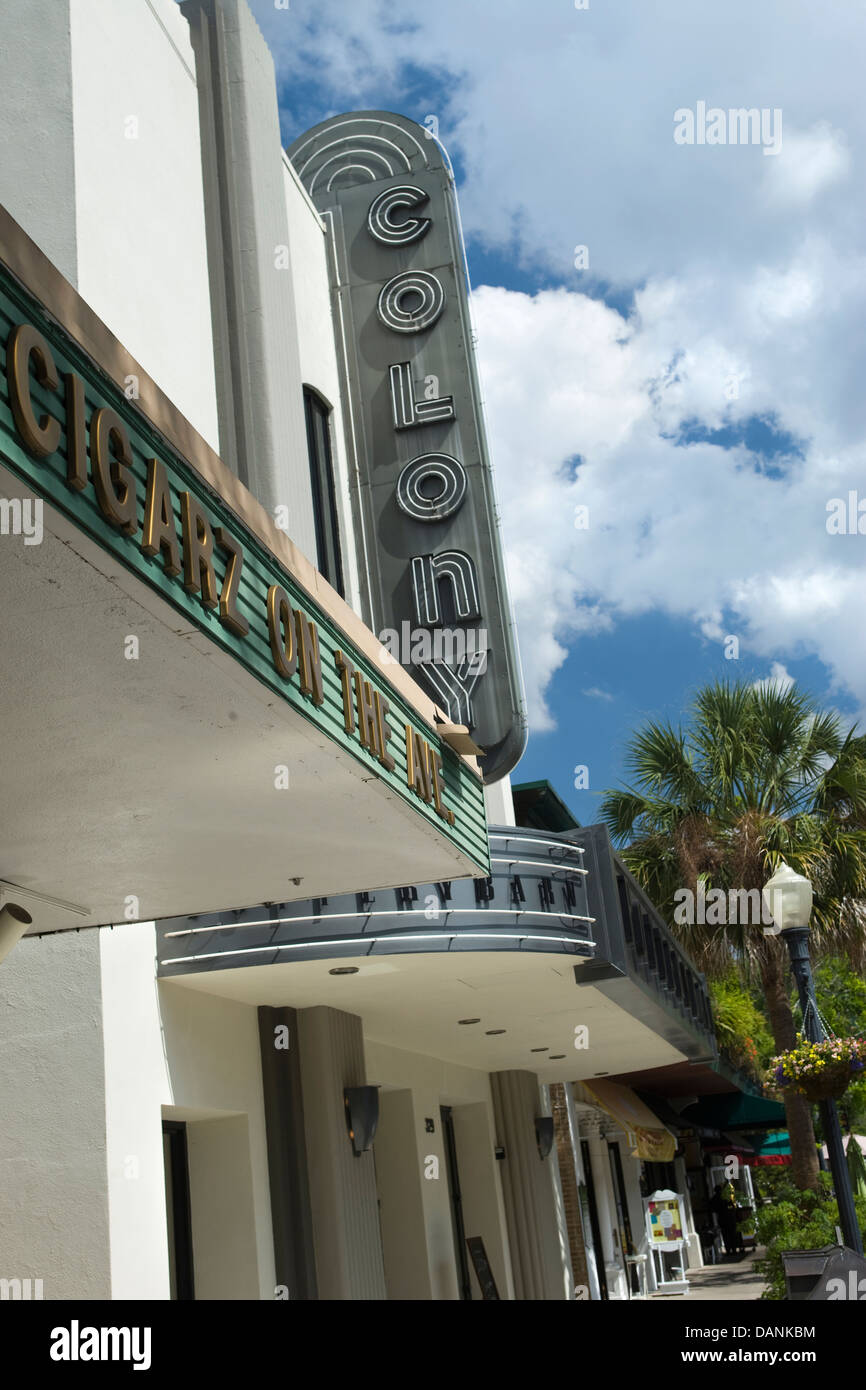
(425,507)
(76,440)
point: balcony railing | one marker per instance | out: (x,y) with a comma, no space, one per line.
(635,939)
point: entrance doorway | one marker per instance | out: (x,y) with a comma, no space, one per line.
(464,1282)
(176,1158)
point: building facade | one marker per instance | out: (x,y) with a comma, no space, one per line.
(305,1008)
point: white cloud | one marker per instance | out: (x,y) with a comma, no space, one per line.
(563,119)
(750,298)
(778,679)
(698,532)
(810,162)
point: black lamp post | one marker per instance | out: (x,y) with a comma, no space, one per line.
(788,897)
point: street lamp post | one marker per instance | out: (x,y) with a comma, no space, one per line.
(788,898)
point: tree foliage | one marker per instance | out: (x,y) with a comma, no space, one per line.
(760,775)
(789,1219)
(741,1025)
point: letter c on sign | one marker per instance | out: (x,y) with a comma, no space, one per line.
(381,225)
(26,347)
(446,472)
(422,286)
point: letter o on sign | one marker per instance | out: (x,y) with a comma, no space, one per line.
(396,308)
(381,224)
(422,504)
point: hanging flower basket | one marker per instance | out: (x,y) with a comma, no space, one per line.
(818,1071)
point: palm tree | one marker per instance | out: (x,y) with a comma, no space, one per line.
(760,775)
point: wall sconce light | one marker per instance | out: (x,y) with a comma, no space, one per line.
(544,1134)
(14,921)
(362,1116)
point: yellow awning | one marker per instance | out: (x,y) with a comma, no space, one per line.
(651,1139)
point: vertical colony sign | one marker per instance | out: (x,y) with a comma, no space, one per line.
(422,496)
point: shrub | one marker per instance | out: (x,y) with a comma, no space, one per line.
(741,1026)
(789,1219)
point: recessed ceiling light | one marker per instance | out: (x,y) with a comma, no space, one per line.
(539,1049)
(469,1020)
(557,1057)
(494,1032)
(602,1073)
(344,970)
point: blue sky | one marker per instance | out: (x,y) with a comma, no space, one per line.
(699,386)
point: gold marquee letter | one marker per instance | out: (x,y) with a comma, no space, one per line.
(110,463)
(230,616)
(76,437)
(159,529)
(282,632)
(26,345)
(198,572)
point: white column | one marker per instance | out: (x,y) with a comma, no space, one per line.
(135,1087)
(343,1197)
(617,1286)
(692,1250)
(540,1260)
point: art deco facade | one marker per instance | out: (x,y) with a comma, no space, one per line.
(272,899)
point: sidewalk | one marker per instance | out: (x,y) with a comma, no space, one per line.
(734,1279)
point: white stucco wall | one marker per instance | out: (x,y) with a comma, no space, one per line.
(499,802)
(223,1210)
(175,1053)
(399,1180)
(432,1083)
(484,1214)
(213,1072)
(318,352)
(135,1090)
(37,171)
(53,1202)
(139,208)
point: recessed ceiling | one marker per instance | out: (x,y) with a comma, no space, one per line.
(418,1002)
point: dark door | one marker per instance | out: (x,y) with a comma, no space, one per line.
(178,1209)
(463,1279)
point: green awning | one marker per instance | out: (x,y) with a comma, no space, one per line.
(775,1141)
(537,806)
(774,1148)
(736,1111)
